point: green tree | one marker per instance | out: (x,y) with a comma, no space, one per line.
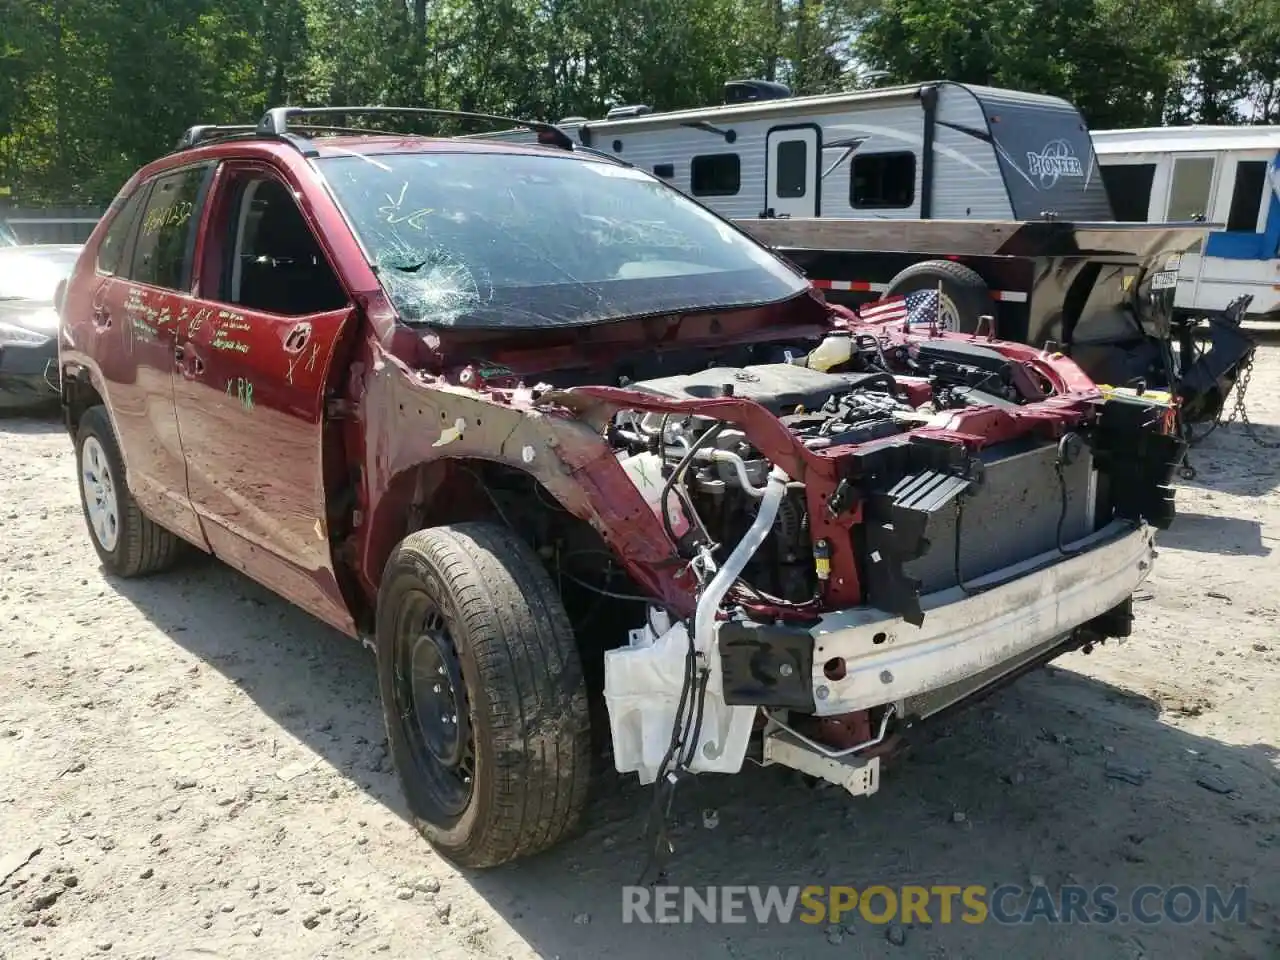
(1119,61)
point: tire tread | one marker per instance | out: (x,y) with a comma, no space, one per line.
(529,670)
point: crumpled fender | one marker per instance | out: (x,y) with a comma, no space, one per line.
(413,419)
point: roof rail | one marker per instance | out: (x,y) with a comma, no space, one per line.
(217,133)
(211,131)
(275,122)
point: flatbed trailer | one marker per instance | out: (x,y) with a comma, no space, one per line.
(1100,292)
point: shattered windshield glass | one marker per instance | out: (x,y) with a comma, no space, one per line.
(483,239)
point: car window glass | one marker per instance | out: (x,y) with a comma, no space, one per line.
(113,244)
(276,263)
(166,234)
(490,239)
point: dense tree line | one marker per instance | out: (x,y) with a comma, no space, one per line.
(91,88)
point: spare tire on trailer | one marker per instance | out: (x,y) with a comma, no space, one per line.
(965,296)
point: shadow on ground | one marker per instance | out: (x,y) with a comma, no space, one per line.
(1239,460)
(26,425)
(1058,777)
(1210,533)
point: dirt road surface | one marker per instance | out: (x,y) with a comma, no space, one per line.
(191,767)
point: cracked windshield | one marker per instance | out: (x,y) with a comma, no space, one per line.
(501,240)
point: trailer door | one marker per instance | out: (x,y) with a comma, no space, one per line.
(791,171)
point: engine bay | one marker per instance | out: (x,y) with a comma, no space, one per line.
(850,395)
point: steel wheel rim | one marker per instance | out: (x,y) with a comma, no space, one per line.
(101,500)
(431,698)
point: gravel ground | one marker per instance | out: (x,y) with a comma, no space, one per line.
(191,767)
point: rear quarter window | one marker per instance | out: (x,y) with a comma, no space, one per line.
(114,242)
(163,251)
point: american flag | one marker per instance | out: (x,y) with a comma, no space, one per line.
(917,307)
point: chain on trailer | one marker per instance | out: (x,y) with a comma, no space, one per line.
(1239,414)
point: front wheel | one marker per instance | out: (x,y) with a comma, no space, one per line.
(483,694)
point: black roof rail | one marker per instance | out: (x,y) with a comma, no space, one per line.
(211,131)
(275,122)
(217,133)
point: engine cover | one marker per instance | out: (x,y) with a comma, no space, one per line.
(780,387)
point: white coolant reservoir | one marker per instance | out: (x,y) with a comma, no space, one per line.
(836,349)
(645,471)
(642,684)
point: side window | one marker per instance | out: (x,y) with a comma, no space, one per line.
(276,264)
(715,175)
(1129,189)
(116,239)
(1246,199)
(881,181)
(793,168)
(1191,189)
(167,233)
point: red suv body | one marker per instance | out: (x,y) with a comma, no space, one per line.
(538,428)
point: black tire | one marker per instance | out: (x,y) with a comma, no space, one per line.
(473,604)
(967,292)
(141,546)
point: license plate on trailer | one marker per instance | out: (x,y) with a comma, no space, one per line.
(1164,280)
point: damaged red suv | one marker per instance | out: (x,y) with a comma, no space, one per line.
(588,467)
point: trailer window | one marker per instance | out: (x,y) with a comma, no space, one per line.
(715,175)
(1129,187)
(793,168)
(1246,199)
(882,181)
(1191,189)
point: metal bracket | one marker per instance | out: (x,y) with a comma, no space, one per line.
(858,775)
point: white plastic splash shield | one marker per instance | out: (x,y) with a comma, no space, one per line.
(642,684)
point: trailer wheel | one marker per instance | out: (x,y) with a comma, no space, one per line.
(965,296)
(483,694)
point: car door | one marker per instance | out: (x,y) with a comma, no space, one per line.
(791,171)
(143,275)
(256,354)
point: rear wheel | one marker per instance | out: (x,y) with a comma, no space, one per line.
(964,294)
(483,694)
(128,543)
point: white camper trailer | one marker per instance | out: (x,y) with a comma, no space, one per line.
(935,150)
(1228,175)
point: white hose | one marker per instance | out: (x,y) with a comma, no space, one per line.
(726,456)
(704,617)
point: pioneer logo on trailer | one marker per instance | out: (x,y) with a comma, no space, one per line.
(1056,159)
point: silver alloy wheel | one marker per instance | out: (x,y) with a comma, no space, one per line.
(100,500)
